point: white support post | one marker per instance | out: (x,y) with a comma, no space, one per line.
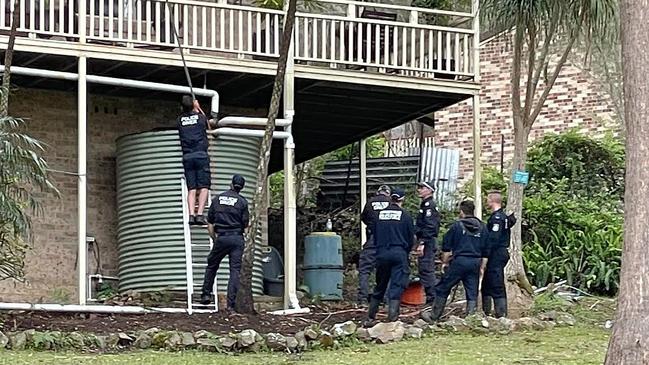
(475,10)
(82,21)
(81,183)
(363,182)
(290,203)
(477,167)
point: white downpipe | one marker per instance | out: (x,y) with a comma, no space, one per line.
(477,167)
(94,308)
(247,121)
(226,131)
(81,181)
(137,84)
(189,268)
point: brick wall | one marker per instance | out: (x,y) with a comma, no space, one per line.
(576,101)
(52,118)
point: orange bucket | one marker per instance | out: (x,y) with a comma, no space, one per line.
(414,294)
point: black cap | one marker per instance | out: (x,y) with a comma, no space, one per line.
(238,182)
(427,184)
(398,194)
(384,189)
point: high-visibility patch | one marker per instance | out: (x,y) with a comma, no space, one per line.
(390,215)
(496,227)
(227,200)
(380,205)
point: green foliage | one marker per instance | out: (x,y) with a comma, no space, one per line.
(573,212)
(548,301)
(23,173)
(106,291)
(60,296)
(375,147)
(592,165)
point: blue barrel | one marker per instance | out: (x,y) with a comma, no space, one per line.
(323,265)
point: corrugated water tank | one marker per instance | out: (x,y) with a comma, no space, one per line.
(149,202)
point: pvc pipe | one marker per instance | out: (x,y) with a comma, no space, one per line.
(113,309)
(252,121)
(477,166)
(226,131)
(82,181)
(291,311)
(137,84)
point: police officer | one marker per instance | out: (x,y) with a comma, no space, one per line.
(367,259)
(227,218)
(427,229)
(493,281)
(466,243)
(192,130)
(394,236)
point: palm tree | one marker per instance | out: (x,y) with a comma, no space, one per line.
(629,342)
(544,34)
(244,296)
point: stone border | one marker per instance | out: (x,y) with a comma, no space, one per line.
(311,338)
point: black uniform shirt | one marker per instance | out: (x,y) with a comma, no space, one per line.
(428,220)
(192,130)
(372,208)
(393,228)
(467,237)
(499,226)
(229,212)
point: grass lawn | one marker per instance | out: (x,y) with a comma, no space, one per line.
(580,345)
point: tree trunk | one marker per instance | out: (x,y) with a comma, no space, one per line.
(9,55)
(244,296)
(518,287)
(629,343)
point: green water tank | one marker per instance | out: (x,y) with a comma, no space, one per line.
(323,265)
(149,203)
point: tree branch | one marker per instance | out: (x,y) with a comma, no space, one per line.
(544,59)
(531,61)
(516,73)
(552,80)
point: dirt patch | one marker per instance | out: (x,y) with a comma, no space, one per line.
(217,323)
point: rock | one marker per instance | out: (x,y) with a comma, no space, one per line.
(311,333)
(326,339)
(548,316)
(124,339)
(202,334)
(18,341)
(608,324)
(75,340)
(227,343)
(484,323)
(387,332)
(159,339)
(456,324)
(530,324)
(565,319)
(276,342)
(363,334)
(292,344)
(344,329)
(152,331)
(112,341)
(501,325)
(414,332)
(209,344)
(4,341)
(302,342)
(187,340)
(143,341)
(174,341)
(420,323)
(248,338)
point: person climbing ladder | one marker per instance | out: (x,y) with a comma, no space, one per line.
(192,130)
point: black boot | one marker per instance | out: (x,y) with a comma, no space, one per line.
(486,305)
(393,310)
(206,299)
(500,306)
(471,306)
(436,312)
(371,312)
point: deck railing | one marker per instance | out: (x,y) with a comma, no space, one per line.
(365,36)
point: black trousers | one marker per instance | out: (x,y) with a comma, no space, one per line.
(231,246)
(366,264)
(392,273)
(465,269)
(493,282)
(426,265)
